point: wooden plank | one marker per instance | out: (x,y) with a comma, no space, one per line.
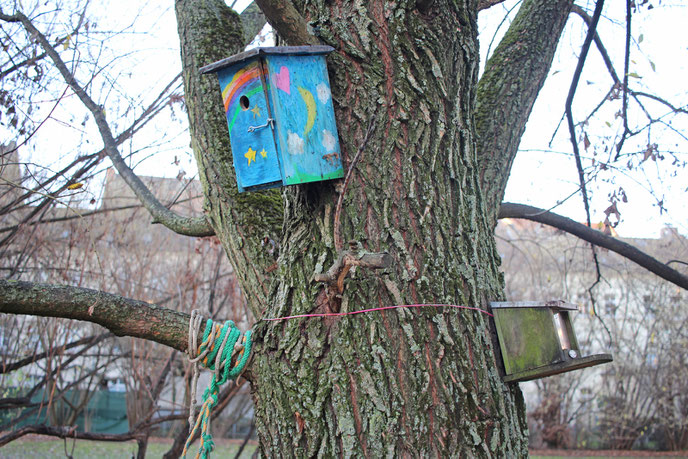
(527,337)
(251,133)
(554,304)
(563,367)
(306,132)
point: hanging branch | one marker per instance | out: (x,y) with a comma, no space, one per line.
(198,226)
(598,43)
(624,108)
(569,101)
(512,210)
(618,84)
(572,133)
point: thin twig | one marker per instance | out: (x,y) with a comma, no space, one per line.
(627,57)
(572,132)
(337,233)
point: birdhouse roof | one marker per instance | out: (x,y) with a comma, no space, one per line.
(558,305)
(257,52)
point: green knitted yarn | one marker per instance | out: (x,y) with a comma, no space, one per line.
(228,334)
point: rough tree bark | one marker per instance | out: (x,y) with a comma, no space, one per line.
(245,223)
(421,382)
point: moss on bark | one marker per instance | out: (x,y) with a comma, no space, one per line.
(210,31)
(513,77)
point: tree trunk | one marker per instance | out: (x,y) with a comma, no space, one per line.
(418,382)
(512,79)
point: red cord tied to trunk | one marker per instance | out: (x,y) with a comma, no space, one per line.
(383,308)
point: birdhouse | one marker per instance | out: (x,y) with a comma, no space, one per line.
(537,339)
(280,116)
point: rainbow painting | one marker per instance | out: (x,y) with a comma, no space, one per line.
(247,82)
(244,79)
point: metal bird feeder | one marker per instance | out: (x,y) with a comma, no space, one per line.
(537,339)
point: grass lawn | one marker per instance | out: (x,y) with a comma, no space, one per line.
(46,447)
(36,446)
(596,454)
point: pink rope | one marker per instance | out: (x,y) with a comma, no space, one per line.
(337,314)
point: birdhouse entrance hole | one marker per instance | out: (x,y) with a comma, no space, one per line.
(243,101)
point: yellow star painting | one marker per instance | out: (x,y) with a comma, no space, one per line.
(250,155)
(263,153)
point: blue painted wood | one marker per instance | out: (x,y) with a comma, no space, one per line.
(307,136)
(291,87)
(253,148)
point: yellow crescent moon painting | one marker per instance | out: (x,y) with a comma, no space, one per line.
(310,105)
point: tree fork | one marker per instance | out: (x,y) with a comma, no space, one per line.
(513,77)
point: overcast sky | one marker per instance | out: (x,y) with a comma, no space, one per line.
(544,173)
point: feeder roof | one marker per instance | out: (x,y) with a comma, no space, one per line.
(256,52)
(559,305)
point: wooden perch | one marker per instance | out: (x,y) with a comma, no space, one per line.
(346,260)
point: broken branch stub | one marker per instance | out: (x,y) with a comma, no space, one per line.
(346,260)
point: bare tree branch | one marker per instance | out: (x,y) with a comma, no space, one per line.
(511,210)
(624,102)
(70,431)
(90,340)
(122,316)
(598,43)
(569,102)
(619,84)
(572,132)
(661,101)
(289,24)
(242,220)
(198,226)
(42,221)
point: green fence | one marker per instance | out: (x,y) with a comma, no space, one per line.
(106,411)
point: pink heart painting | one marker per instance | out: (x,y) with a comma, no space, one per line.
(282,79)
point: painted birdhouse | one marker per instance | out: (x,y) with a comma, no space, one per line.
(280,117)
(537,339)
